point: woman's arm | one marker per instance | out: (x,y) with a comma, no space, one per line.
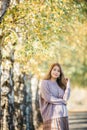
(67,91)
(47,96)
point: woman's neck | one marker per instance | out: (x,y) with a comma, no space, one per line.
(53,80)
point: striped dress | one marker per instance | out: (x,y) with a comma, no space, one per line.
(53,105)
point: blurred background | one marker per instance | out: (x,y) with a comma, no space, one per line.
(33,35)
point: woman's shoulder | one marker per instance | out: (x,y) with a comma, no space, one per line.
(44,84)
(44,81)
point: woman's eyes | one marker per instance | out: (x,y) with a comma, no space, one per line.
(57,70)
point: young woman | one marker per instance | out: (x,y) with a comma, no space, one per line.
(53,97)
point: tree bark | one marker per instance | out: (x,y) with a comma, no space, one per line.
(0,85)
(4,5)
(11,93)
(28,104)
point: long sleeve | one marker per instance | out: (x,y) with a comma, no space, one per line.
(47,95)
(67,92)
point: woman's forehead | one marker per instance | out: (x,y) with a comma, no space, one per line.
(56,67)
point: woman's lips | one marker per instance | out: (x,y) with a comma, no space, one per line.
(55,75)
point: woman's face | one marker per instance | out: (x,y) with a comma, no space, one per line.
(55,73)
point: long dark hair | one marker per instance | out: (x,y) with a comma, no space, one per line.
(60,80)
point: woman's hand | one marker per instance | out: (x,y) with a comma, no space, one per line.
(67,81)
(65,102)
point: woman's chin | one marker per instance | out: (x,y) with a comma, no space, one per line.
(55,77)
